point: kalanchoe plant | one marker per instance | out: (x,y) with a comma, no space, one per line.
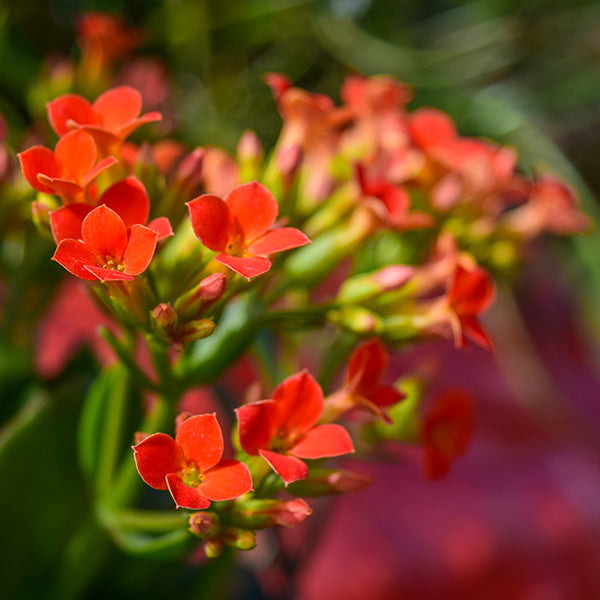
(235,276)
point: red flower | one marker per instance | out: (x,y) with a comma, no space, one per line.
(392,205)
(108,251)
(282,430)
(128,198)
(446,430)
(470,293)
(366,367)
(190,465)
(239,228)
(112,117)
(66,172)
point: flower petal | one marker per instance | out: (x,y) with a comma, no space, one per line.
(130,127)
(117,107)
(289,468)
(140,249)
(228,480)
(471,291)
(211,221)
(76,155)
(103,274)
(75,256)
(431,127)
(248,267)
(155,457)
(128,198)
(104,164)
(325,440)
(278,240)
(184,495)
(201,440)
(366,365)
(104,231)
(162,227)
(254,209)
(70,192)
(385,395)
(108,143)
(475,332)
(69,107)
(66,221)
(36,160)
(258,423)
(300,400)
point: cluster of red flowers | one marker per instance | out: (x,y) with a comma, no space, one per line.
(348,177)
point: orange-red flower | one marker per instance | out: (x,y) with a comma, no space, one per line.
(112,117)
(446,430)
(239,228)
(128,198)
(283,429)
(191,465)
(108,250)
(362,387)
(390,203)
(66,172)
(469,294)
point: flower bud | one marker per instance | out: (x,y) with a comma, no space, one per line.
(357,319)
(204,524)
(164,318)
(189,172)
(213,548)
(193,331)
(240,539)
(364,287)
(211,288)
(259,514)
(325,482)
(250,156)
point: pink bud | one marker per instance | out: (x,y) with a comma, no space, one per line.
(393,277)
(212,287)
(249,147)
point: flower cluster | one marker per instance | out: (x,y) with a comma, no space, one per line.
(368,227)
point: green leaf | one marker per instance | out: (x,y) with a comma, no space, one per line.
(101,428)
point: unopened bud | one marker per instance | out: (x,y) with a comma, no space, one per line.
(204,524)
(364,287)
(189,171)
(240,539)
(41,219)
(164,318)
(259,514)
(211,288)
(249,147)
(213,548)
(193,331)
(288,161)
(357,319)
(325,482)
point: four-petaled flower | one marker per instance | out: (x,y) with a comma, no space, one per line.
(239,228)
(191,465)
(108,251)
(128,198)
(66,172)
(366,367)
(112,117)
(283,429)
